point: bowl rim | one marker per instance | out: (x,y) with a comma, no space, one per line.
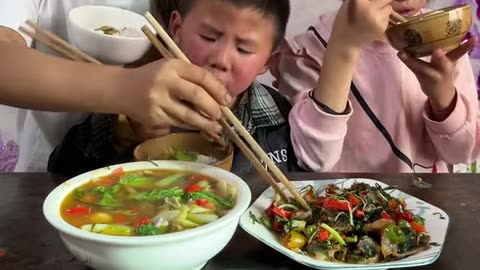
(433,14)
(53,202)
(223,160)
(108,37)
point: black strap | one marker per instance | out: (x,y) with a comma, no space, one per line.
(370,113)
(380,126)
(318,36)
(324,107)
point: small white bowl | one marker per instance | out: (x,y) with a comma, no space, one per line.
(82,22)
(184,250)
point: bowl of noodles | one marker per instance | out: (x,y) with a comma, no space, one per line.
(148,215)
(444,28)
(188,146)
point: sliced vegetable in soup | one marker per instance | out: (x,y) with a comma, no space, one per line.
(150,202)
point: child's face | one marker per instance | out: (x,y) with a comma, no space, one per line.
(408,7)
(234,44)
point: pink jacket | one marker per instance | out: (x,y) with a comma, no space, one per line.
(352,143)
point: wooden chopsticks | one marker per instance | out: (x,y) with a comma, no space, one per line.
(156,43)
(230,116)
(55,43)
(396,18)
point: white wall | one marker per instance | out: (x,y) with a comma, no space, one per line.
(304,13)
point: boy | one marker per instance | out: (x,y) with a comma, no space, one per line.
(234,40)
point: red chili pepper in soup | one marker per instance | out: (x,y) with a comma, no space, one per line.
(119,218)
(142,221)
(192,179)
(79,210)
(201,202)
(193,188)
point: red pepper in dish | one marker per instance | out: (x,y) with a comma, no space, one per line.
(336,204)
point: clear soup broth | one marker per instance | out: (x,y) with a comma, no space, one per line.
(147,202)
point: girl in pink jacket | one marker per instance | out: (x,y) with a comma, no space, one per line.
(361,106)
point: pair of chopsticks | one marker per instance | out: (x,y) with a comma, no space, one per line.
(174,51)
(57,44)
(396,18)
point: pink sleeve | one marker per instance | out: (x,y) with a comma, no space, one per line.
(297,67)
(456,139)
(317,136)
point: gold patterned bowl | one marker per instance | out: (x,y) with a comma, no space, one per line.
(420,35)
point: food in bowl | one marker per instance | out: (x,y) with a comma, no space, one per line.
(187,146)
(362,224)
(124,32)
(147,202)
(175,154)
(165,251)
(108,30)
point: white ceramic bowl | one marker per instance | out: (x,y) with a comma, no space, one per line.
(189,249)
(82,22)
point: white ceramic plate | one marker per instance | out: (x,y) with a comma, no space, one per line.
(436,221)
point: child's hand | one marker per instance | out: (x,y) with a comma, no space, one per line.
(360,22)
(436,78)
(174,93)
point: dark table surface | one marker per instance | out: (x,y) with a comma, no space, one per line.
(27,241)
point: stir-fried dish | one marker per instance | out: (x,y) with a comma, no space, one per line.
(147,202)
(359,224)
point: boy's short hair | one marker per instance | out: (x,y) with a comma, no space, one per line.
(279,10)
(162,10)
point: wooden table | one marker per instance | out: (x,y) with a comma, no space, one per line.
(31,243)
